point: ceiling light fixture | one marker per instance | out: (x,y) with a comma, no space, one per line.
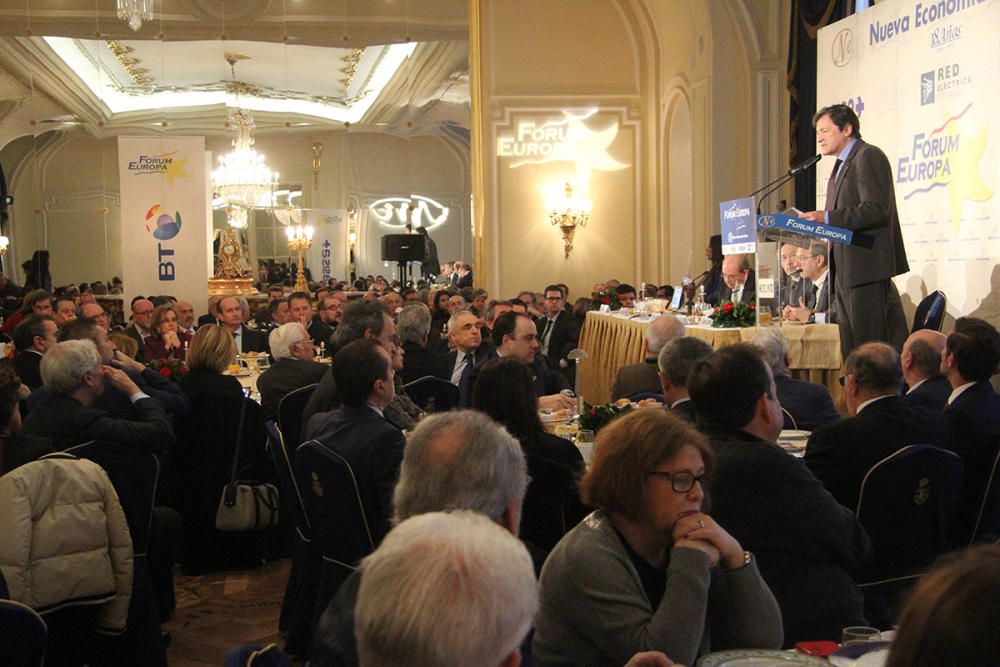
(134,12)
(243,179)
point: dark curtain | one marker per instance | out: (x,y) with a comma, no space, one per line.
(808,16)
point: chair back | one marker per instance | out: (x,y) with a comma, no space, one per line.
(333,504)
(291,498)
(908,504)
(22,635)
(433,394)
(134,474)
(255,656)
(289,416)
(790,423)
(987,527)
(930,312)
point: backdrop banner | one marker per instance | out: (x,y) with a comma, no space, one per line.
(923,79)
(164,224)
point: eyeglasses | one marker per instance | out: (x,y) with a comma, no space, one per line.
(682,480)
(843,379)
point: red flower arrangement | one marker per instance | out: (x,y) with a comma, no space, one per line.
(728,314)
(606,298)
(169,368)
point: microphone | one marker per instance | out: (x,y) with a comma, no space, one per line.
(795,272)
(805,164)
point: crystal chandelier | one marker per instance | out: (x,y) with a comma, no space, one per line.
(134,12)
(243,179)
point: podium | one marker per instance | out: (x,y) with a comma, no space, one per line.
(794,267)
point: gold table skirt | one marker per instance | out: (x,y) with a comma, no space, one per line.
(612,342)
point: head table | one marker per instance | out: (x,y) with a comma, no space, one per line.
(615,340)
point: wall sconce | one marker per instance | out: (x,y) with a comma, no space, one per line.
(569,212)
(4,243)
(317,150)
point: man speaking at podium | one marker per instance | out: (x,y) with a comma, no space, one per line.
(860,197)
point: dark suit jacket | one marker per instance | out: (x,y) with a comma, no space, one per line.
(67,422)
(565,337)
(133,332)
(374,449)
(175,403)
(748,294)
(287,375)
(807,545)
(253,341)
(552,503)
(320,332)
(26,365)
(974,428)
(636,379)
(865,201)
(809,404)
(20,448)
(419,361)
(793,290)
(464,281)
(932,394)
(544,380)
(841,454)
(686,410)
(208,318)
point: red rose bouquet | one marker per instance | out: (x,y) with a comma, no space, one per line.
(728,315)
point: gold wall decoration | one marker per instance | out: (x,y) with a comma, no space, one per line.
(130,63)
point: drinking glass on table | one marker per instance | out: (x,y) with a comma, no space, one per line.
(585,441)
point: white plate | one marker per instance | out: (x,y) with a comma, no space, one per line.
(552,418)
(790,434)
(242,373)
(758,658)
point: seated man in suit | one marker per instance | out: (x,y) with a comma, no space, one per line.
(293,366)
(807,405)
(464,337)
(558,332)
(231,317)
(330,310)
(358,430)
(793,285)
(413,327)
(740,283)
(33,337)
(278,313)
(807,545)
(841,454)
(926,385)
(515,334)
(263,316)
(185,318)
(816,305)
(970,358)
(142,319)
(96,312)
(212,316)
(75,377)
(643,377)
(676,360)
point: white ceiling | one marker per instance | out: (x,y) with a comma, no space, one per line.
(303,63)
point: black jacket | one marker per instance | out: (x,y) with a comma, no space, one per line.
(287,375)
(932,394)
(419,361)
(809,404)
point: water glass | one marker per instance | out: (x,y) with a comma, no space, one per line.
(585,442)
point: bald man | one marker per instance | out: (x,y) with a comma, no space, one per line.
(926,386)
(739,278)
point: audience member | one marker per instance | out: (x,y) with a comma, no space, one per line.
(142,319)
(641,573)
(465,337)
(36,302)
(676,360)
(75,377)
(559,333)
(33,337)
(185,319)
(414,325)
(278,313)
(952,617)
(16,448)
(231,317)
(805,405)
(642,378)
(293,367)
(300,308)
(166,343)
(792,283)
(96,312)
(445,590)
(880,423)
(358,430)
(970,358)
(331,309)
(626,295)
(401,412)
(212,316)
(459,460)
(552,505)
(515,335)
(807,543)
(926,385)
(392,302)
(64,310)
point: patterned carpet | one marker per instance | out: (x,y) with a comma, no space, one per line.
(217,612)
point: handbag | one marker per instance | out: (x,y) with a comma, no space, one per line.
(244,504)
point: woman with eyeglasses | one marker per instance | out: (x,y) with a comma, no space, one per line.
(650,570)
(166,343)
